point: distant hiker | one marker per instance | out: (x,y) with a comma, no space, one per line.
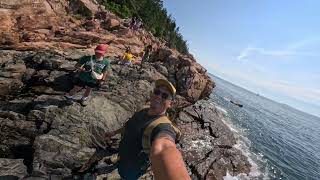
(138,24)
(146,54)
(141,25)
(149,137)
(133,22)
(127,58)
(93,72)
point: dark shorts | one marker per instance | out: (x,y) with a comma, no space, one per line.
(83,84)
(128,174)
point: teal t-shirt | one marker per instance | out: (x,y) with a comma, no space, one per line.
(98,67)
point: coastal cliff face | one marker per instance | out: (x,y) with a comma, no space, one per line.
(40,42)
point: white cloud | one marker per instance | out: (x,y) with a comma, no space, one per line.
(253,81)
(291,50)
(301,93)
(303,43)
(254,50)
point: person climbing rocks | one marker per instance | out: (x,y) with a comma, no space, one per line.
(149,137)
(127,58)
(133,22)
(146,54)
(138,24)
(93,71)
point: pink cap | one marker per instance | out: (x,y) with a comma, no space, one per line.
(101,48)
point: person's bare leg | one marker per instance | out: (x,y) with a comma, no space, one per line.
(74,90)
(87,92)
(84,99)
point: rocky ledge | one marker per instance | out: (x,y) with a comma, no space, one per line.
(41,136)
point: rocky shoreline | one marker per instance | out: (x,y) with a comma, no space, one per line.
(42,137)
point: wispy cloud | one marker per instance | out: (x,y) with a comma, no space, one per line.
(303,43)
(293,49)
(285,88)
(254,50)
(301,93)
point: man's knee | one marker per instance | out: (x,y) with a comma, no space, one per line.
(77,87)
(88,88)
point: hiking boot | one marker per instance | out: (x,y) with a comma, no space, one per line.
(84,101)
(68,97)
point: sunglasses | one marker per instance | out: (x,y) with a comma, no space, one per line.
(164,95)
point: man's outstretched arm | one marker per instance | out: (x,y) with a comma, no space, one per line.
(166,159)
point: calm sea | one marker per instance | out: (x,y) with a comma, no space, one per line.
(283,142)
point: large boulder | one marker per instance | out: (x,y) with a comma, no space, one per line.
(7,22)
(15,132)
(208,144)
(84,7)
(190,78)
(9,86)
(12,169)
(75,130)
(164,53)
(32,22)
(192,84)
(56,155)
(7,33)
(11,73)
(111,24)
(92,25)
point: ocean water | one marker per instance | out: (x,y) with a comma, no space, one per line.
(281,142)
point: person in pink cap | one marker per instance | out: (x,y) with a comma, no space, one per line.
(93,71)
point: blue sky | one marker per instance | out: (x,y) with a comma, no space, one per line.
(270,47)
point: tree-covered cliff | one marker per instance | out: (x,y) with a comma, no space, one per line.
(155,19)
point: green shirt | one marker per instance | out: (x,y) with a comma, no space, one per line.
(98,67)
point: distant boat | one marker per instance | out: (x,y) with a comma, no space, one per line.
(226,99)
(237,104)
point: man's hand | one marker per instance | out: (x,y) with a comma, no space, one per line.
(167,162)
(81,68)
(100,82)
(108,136)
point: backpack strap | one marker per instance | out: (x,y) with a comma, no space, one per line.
(146,138)
(91,62)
